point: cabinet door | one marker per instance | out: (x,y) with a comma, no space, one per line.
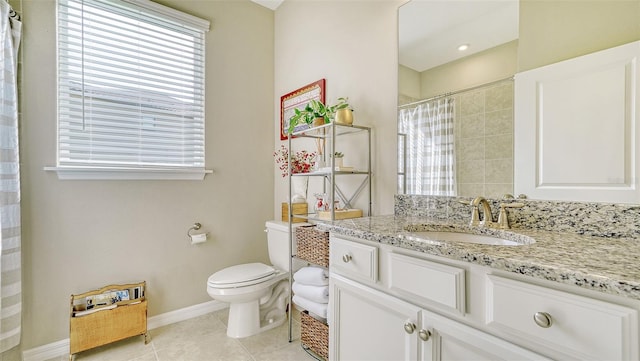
(577,128)
(369,325)
(451,341)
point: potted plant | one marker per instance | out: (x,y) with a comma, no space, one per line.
(343,112)
(316,113)
(337,159)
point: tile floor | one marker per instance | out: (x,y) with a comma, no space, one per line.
(203,338)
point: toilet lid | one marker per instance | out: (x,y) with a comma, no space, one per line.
(241,275)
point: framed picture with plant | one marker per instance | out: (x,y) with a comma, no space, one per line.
(298,99)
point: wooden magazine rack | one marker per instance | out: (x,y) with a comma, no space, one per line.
(103,316)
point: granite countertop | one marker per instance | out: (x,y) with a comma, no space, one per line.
(609,265)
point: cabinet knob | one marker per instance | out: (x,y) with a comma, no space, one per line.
(409,327)
(346,258)
(424,335)
(542,319)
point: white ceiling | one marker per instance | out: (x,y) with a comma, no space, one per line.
(271,4)
(430,31)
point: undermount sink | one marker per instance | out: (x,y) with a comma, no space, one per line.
(465,237)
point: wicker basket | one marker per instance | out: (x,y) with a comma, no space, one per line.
(314,334)
(313,245)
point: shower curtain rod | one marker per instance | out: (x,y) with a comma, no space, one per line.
(455,92)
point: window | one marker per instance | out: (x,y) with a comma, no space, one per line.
(130,91)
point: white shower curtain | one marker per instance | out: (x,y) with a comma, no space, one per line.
(429,162)
(10,244)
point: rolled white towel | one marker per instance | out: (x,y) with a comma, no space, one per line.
(319,309)
(318,294)
(312,276)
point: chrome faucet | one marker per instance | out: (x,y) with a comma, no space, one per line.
(487,216)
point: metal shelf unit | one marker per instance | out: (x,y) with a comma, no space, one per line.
(329,134)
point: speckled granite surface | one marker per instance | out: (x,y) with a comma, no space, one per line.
(596,219)
(600,257)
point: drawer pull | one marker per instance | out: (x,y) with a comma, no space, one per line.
(424,335)
(409,327)
(542,319)
(346,258)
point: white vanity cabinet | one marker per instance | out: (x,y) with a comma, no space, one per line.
(367,324)
(460,311)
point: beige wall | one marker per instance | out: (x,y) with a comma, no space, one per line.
(353,45)
(80,235)
(408,84)
(552,31)
(487,66)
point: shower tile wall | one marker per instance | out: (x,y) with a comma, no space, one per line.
(484,141)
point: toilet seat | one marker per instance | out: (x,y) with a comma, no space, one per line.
(241,275)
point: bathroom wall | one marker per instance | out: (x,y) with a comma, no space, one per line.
(353,45)
(484,67)
(408,85)
(80,235)
(474,70)
(552,31)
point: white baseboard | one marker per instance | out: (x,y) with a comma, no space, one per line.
(61,348)
(184,314)
(46,352)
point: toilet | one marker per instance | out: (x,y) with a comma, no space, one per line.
(257,293)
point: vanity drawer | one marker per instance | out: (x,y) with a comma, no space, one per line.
(578,326)
(427,282)
(353,259)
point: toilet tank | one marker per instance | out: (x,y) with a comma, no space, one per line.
(278,242)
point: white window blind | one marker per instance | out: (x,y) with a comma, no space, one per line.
(130,86)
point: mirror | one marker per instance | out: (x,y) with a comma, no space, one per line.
(479,92)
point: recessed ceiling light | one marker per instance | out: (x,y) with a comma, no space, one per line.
(463,47)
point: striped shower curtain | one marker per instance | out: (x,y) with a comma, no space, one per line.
(10,244)
(429,162)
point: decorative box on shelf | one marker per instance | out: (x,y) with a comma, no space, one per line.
(337,169)
(340,214)
(298,208)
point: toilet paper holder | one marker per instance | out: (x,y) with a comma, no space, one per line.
(197,238)
(196,226)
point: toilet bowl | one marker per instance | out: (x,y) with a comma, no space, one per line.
(258,294)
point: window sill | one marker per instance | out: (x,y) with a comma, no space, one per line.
(97,173)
